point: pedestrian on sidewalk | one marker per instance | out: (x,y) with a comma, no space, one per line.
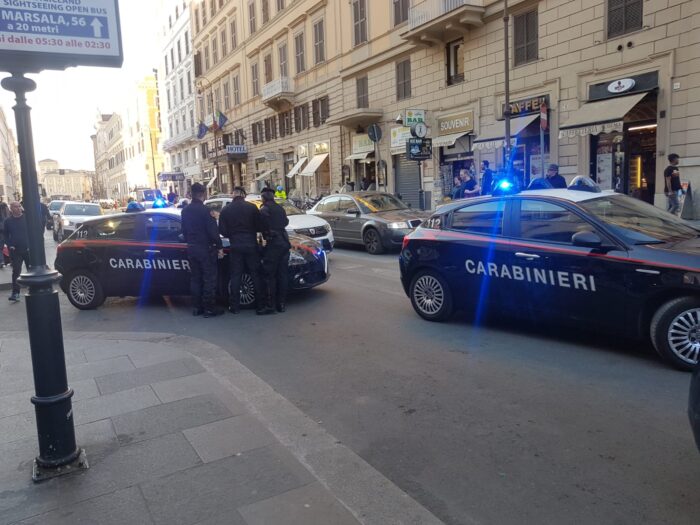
(4,214)
(203,248)
(240,222)
(275,261)
(553,177)
(17,239)
(672,184)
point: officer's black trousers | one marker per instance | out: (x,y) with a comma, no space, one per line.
(276,270)
(245,259)
(203,275)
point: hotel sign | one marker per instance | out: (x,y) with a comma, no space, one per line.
(457,123)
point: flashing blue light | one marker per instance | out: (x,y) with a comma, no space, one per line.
(159,203)
(505,185)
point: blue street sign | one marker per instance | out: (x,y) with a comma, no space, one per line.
(36,35)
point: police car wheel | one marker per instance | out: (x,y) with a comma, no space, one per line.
(247,291)
(431,296)
(675,332)
(84,291)
(372,241)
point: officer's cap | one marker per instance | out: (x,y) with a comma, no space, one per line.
(267,190)
(198,188)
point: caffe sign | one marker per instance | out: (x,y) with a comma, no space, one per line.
(528,106)
(457,123)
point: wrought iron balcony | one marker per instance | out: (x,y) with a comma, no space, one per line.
(441,21)
(279,93)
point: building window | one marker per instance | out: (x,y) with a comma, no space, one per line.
(201,108)
(212,7)
(319,42)
(166,65)
(187,42)
(624,16)
(227,95)
(182,87)
(167,94)
(282,52)
(224,43)
(207,64)
(210,103)
(359,20)
(265,11)
(403,79)
(236,90)
(524,38)
(362,84)
(401,11)
(196,21)
(217,99)
(179,52)
(320,109)
(234,35)
(299,53)
(254,79)
(285,123)
(204,15)
(280,5)
(267,65)
(172,58)
(251,17)
(192,118)
(455,62)
(270,128)
(189,82)
(214,51)
(301,118)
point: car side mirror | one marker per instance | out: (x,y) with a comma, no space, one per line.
(587,239)
(353,211)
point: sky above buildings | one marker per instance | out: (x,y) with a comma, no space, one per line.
(66,103)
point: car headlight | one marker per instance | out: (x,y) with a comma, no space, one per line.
(66,222)
(399,225)
(295,259)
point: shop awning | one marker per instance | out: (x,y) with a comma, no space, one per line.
(313,165)
(448,140)
(264,175)
(599,116)
(359,156)
(493,136)
(295,169)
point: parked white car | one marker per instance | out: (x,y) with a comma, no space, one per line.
(299,222)
(70,216)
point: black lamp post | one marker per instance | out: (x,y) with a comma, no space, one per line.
(58,452)
(506,105)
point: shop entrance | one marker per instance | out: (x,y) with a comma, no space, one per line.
(626,161)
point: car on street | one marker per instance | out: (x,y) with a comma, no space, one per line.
(694,404)
(144,253)
(601,260)
(71,215)
(54,207)
(376,220)
(299,222)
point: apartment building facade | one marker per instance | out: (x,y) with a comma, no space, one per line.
(177,100)
(617,82)
(10,180)
(73,184)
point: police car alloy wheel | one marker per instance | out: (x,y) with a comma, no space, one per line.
(675,332)
(84,291)
(373,242)
(430,296)
(247,291)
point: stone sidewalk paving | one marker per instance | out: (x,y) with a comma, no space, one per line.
(179,432)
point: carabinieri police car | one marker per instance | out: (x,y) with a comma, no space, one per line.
(142,254)
(605,259)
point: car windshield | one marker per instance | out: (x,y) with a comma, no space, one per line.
(55,205)
(639,222)
(289,208)
(374,202)
(82,209)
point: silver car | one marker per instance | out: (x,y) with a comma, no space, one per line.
(378,221)
(70,216)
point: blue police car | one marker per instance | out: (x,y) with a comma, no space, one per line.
(600,259)
(144,253)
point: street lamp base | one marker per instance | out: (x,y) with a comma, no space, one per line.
(40,474)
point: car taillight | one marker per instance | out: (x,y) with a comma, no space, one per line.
(404,243)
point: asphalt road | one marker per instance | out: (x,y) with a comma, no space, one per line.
(500,423)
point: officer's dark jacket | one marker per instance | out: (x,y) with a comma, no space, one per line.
(240,221)
(274,221)
(198,226)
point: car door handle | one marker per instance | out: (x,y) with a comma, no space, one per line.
(151,251)
(650,272)
(528,256)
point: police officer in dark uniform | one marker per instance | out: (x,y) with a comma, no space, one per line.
(203,247)
(276,256)
(240,221)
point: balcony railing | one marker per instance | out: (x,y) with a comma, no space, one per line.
(179,138)
(279,90)
(432,9)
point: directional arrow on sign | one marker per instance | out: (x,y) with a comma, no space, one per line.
(97,27)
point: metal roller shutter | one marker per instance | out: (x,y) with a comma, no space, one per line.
(407,180)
